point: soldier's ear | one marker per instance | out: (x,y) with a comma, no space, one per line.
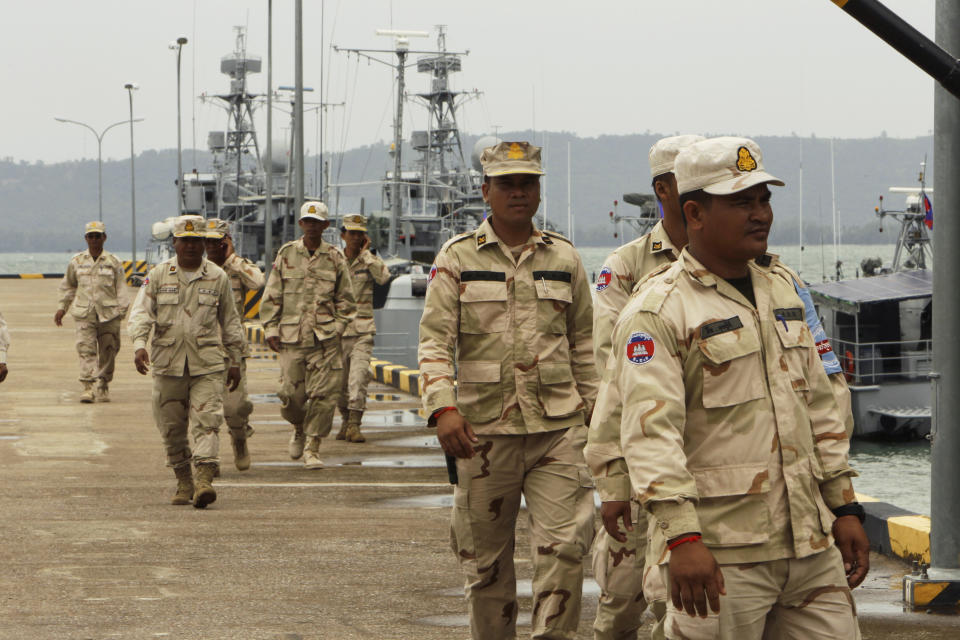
(485,189)
(693,214)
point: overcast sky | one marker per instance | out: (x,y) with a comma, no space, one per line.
(752,67)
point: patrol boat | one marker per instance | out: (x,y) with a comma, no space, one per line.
(880,327)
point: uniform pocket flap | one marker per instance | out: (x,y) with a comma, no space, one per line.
(484,291)
(738,480)
(792,333)
(479,371)
(168,298)
(730,345)
(326,275)
(554,290)
(292,273)
(555,372)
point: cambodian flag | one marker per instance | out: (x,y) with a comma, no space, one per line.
(928,212)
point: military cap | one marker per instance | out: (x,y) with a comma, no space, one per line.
(188,227)
(721,166)
(664,151)
(315,210)
(511,157)
(216,228)
(355,222)
(95,227)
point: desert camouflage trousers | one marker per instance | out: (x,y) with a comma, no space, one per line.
(97,344)
(194,401)
(548,470)
(310,385)
(357,351)
(237,406)
(805,599)
(619,571)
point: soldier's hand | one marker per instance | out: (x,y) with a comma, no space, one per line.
(366,243)
(455,435)
(227,240)
(695,579)
(274,343)
(612,511)
(141,360)
(3,372)
(854,547)
(233,378)
(58,317)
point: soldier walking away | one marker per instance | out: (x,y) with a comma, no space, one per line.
(508,307)
(95,285)
(618,556)
(4,347)
(307,304)
(187,303)
(734,440)
(357,342)
(244,276)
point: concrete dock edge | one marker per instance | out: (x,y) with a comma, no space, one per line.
(896,532)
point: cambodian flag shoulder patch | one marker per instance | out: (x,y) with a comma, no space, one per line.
(605,278)
(640,348)
(433,273)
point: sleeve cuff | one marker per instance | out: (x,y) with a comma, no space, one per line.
(838,491)
(675,518)
(437,400)
(139,343)
(272,331)
(613,488)
(3,357)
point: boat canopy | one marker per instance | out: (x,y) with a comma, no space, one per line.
(849,295)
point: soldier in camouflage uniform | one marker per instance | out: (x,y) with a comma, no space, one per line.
(732,434)
(357,342)
(187,303)
(618,556)
(244,277)
(4,346)
(508,308)
(94,284)
(307,304)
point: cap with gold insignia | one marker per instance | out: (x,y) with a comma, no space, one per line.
(721,166)
(355,222)
(664,151)
(511,157)
(315,210)
(188,227)
(216,228)
(94,227)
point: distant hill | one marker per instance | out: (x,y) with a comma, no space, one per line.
(43,206)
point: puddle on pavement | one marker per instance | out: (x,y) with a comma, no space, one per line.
(414,462)
(425,441)
(525,589)
(443,500)
(9,437)
(454,620)
(394,418)
(264,398)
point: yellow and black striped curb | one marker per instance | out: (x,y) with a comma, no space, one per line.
(251,304)
(896,532)
(931,593)
(29,276)
(140,271)
(397,376)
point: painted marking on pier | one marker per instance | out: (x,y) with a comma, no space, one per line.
(280,485)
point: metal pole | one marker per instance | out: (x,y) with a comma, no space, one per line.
(298,108)
(130,87)
(100,176)
(945,479)
(268,213)
(180,191)
(397,144)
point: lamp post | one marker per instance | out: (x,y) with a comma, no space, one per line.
(99,137)
(178,46)
(131,87)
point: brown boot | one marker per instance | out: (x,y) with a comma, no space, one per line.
(344,418)
(87,396)
(311,455)
(241,454)
(103,391)
(204,493)
(353,427)
(184,492)
(296,442)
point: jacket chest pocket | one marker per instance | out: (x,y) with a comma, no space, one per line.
(324,284)
(292,282)
(167,304)
(478,390)
(554,294)
(207,302)
(558,390)
(733,508)
(483,305)
(795,339)
(732,372)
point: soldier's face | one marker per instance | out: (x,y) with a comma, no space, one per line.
(735,227)
(95,242)
(189,251)
(353,239)
(513,198)
(216,249)
(313,229)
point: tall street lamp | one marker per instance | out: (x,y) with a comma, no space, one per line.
(131,87)
(99,137)
(178,46)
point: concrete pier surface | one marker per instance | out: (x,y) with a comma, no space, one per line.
(91,548)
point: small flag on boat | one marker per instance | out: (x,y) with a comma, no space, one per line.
(928,212)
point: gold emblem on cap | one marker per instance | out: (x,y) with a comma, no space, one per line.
(745,161)
(188,226)
(211,224)
(515,152)
(312,209)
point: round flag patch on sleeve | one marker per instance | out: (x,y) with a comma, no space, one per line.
(640,348)
(605,278)
(433,273)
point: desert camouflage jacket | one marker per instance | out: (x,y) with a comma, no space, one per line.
(95,286)
(519,333)
(307,296)
(4,340)
(365,269)
(188,314)
(729,425)
(244,276)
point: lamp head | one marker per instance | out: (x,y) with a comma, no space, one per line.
(182,40)
(131,86)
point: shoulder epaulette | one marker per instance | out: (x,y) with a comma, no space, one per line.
(457,238)
(658,288)
(555,236)
(788,274)
(657,271)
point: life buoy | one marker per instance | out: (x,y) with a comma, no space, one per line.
(849,367)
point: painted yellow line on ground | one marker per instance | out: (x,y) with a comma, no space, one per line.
(271,485)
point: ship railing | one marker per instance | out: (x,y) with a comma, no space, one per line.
(871,363)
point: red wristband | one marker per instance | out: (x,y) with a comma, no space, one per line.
(676,543)
(439,412)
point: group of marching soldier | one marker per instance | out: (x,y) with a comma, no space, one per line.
(694,389)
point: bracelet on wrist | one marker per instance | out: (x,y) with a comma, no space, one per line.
(851,509)
(442,410)
(679,541)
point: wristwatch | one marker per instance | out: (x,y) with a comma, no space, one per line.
(851,509)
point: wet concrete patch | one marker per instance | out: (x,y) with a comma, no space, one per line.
(413,462)
(394,418)
(454,620)
(525,589)
(443,501)
(264,398)
(9,437)
(425,441)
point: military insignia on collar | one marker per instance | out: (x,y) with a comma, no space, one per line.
(546,239)
(657,245)
(481,239)
(745,161)
(173,268)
